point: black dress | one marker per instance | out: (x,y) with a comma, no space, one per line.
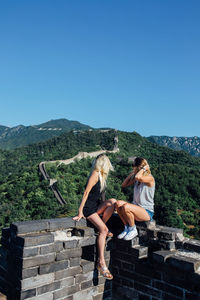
(93,200)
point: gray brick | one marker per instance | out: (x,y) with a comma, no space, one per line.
(55,247)
(87,284)
(75,261)
(29,226)
(71,244)
(69,253)
(48,288)
(27,294)
(84,277)
(36,261)
(35,239)
(61,223)
(25,252)
(53,267)
(37,281)
(67,273)
(87,241)
(87,266)
(83,231)
(187,264)
(139,251)
(161,256)
(87,294)
(69,281)
(66,291)
(26,273)
(192,245)
(166,235)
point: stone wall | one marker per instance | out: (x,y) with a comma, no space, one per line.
(55,259)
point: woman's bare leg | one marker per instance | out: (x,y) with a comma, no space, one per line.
(134,212)
(119,205)
(103,230)
(107,208)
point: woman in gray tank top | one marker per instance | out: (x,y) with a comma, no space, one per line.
(142,207)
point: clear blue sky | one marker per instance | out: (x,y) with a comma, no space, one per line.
(126,64)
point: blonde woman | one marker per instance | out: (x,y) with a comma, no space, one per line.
(142,207)
(91,208)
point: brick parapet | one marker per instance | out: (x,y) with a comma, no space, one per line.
(56,259)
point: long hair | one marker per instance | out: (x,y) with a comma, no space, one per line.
(103,166)
(139,163)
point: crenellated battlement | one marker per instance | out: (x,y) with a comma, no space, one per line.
(56,259)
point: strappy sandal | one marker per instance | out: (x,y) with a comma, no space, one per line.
(109,234)
(104,272)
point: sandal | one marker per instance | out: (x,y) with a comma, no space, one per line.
(104,272)
(109,234)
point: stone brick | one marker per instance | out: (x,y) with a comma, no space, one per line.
(139,251)
(36,261)
(75,261)
(26,273)
(170,289)
(166,235)
(39,280)
(192,245)
(29,226)
(27,294)
(48,288)
(166,245)
(87,294)
(147,269)
(69,253)
(61,223)
(66,291)
(87,266)
(25,252)
(87,241)
(187,264)
(67,281)
(55,247)
(34,239)
(86,284)
(147,290)
(67,273)
(83,231)
(84,277)
(161,256)
(47,296)
(53,267)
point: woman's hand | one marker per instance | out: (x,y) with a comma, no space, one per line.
(79,217)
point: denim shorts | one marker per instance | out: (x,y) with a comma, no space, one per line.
(151,213)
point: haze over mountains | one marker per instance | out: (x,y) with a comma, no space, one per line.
(11,138)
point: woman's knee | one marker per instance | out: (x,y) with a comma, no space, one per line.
(126,208)
(119,203)
(111,202)
(103,230)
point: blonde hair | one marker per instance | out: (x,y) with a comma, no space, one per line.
(139,163)
(103,166)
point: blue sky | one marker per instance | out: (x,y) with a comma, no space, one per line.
(126,64)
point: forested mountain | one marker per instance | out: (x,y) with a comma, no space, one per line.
(25,195)
(188,144)
(11,138)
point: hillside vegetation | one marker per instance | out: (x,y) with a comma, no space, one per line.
(25,195)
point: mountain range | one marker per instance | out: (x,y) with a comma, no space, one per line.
(18,136)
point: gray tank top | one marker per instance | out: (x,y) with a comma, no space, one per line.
(143,195)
